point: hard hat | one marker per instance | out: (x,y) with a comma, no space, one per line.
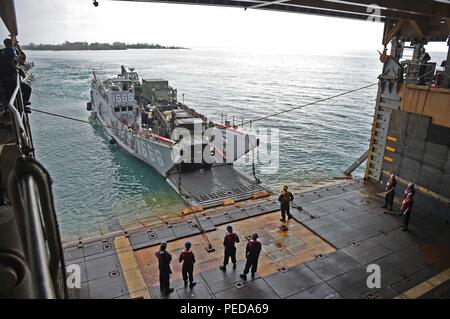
(285,187)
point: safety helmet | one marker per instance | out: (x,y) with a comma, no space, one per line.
(285,187)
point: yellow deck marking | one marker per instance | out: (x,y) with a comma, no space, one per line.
(132,274)
(392,138)
(426,286)
(389,159)
(228,202)
(390,149)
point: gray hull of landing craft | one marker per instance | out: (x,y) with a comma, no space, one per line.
(153,152)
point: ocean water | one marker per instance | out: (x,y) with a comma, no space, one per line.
(99,188)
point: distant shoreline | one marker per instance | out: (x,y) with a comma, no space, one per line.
(96,46)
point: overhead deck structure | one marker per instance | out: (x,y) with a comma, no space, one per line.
(429,10)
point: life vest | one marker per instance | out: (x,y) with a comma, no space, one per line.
(187,256)
(253,249)
(286,197)
(230,240)
(391,184)
(164,259)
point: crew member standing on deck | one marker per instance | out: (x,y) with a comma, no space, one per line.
(188,259)
(164,259)
(410,189)
(390,192)
(252,254)
(285,199)
(407,205)
(231,238)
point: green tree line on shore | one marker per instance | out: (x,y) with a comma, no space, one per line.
(96,46)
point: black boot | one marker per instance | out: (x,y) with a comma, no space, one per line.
(185,283)
(223,268)
(192,284)
(234,266)
(243,276)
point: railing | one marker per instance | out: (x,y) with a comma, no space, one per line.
(417,73)
(20,121)
(29,190)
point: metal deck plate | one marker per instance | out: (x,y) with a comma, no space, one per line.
(211,187)
(352,285)
(152,237)
(366,251)
(71,253)
(321,291)
(200,291)
(288,283)
(218,280)
(101,267)
(332,265)
(108,287)
(395,268)
(183,229)
(256,289)
(417,278)
(97,247)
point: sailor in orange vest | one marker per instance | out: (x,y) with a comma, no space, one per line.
(410,189)
(229,242)
(407,205)
(187,257)
(390,191)
(252,254)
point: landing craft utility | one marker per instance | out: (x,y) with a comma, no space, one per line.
(145,119)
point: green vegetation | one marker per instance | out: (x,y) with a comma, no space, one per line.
(95,46)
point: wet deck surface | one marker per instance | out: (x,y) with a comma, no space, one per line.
(324,254)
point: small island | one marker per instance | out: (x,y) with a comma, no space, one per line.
(81,46)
